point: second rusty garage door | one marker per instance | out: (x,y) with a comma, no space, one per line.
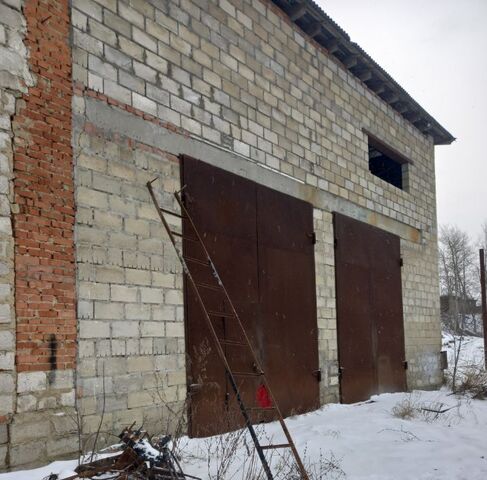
(369,310)
(261,243)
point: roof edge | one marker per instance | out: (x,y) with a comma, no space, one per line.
(314,22)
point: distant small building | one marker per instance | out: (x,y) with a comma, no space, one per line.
(450,304)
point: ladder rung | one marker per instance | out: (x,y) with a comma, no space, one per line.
(247,374)
(174,214)
(198,261)
(233,342)
(208,286)
(279,445)
(220,314)
(184,237)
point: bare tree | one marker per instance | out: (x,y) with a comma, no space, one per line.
(458,282)
(458,276)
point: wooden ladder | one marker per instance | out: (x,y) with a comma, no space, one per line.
(199,289)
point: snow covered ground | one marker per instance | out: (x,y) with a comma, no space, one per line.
(471,350)
(364,441)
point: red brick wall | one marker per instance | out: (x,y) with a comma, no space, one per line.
(44,192)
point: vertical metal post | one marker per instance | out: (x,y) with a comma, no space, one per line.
(484,301)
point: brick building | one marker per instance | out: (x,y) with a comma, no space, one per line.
(272,105)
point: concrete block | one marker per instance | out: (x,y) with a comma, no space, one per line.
(92,423)
(158,95)
(90,8)
(132,16)
(85,309)
(131,49)
(4,266)
(174,329)
(152,329)
(156,62)
(117,23)
(151,295)
(140,364)
(7,340)
(176,378)
(7,384)
(143,71)
(6,403)
(31,382)
(132,82)
(143,103)
(164,312)
(118,348)
(101,32)
(32,430)
(61,379)
(3,433)
(125,329)
(94,329)
(94,291)
(147,41)
(7,360)
(173,297)
(141,399)
(109,274)
(68,399)
(68,445)
(137,311)
(26,453)
(116,91)
(146,346)
(108,310)
(104,69)
(122,293)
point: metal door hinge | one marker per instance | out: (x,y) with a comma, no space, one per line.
(312,236)
(401,262)
(335,242)
(317,374)
(405,363)
(195,387)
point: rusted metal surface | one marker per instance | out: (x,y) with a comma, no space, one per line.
(369,310)
(484,300)
(288,299)
(260,242)
(223,208)
(137,458)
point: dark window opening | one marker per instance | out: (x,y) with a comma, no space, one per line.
(386,164)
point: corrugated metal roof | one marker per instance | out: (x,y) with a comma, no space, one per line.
(317,24)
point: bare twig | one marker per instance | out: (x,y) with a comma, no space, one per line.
(102,412)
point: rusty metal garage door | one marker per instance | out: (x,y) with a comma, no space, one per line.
(288,299)
(369,310)
(260,241)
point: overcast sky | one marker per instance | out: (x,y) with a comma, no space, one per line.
(437,51)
